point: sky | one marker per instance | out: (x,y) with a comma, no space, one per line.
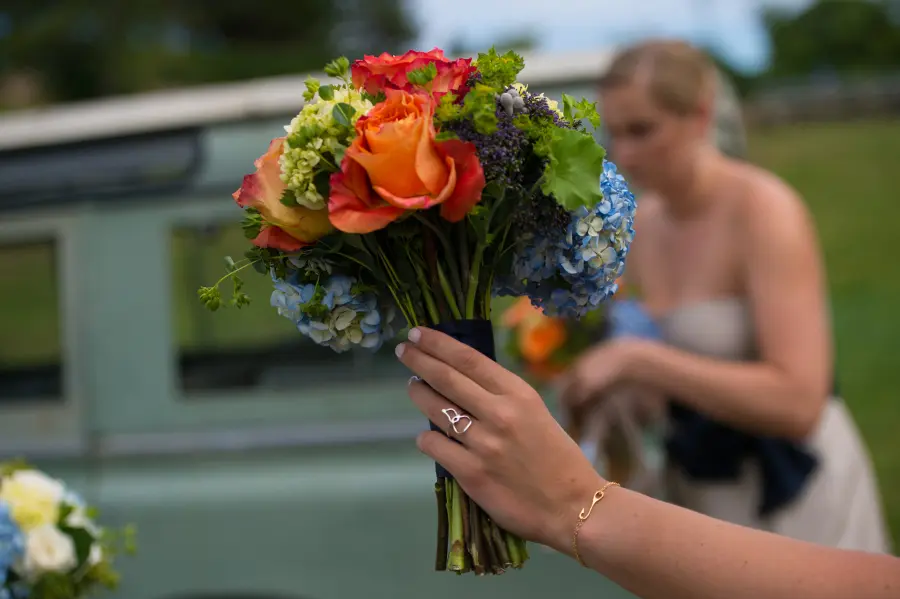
(733,27)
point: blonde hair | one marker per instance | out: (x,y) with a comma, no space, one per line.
(680,77)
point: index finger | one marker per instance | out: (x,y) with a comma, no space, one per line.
(482,370)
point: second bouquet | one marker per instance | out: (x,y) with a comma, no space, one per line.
(409,193)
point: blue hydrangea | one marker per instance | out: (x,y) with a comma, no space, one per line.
(334,311)
(571,276)
(12,543)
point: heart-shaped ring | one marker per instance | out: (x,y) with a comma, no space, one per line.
(455,418)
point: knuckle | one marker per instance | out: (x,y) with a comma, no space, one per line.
(469,359)
(491,448)
(477,475)
(504,418)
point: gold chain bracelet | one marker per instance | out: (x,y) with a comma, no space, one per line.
(584,515)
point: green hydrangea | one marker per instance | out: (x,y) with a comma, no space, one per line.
(316,140)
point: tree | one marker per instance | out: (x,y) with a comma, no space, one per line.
(841,36)
(89,48)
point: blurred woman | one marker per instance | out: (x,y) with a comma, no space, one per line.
(727,261)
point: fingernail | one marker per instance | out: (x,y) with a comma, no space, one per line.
(414,335)
(399,350)
(413,379)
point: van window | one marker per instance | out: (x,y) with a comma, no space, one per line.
(30,354)
(251,347)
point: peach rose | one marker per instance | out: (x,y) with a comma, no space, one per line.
(378,73)
(395,165)
(286,228)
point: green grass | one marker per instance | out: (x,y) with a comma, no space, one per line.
(846,172)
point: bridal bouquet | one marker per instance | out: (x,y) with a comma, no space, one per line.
(50,547)
(410,190)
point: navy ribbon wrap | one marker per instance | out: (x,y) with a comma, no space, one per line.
(477,334)
(708,451)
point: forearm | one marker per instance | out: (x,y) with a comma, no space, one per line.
(660,551)
(752,396)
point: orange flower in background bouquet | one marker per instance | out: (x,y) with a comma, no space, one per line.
(545,346)
(412,190)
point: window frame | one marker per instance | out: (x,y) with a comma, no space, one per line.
(51,427)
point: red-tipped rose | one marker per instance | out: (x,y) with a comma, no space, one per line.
(380,73)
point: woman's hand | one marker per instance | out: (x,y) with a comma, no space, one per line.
(514,460)
(600,369)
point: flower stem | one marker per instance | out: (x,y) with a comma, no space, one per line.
(448,250)
(467,531)
(457,559)
(474,277)
(425,288)
(440,491)
(512,546)
(500,544)
(476,538)
(448,293)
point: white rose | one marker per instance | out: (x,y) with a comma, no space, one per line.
(48,550)
(39,483)
(33,498)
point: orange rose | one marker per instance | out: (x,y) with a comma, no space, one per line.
(375,74)
(395,165)
(286,228)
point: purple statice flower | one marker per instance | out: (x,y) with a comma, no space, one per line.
(501,153)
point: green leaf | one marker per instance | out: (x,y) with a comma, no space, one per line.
(322,181)
(326,92)
(499,71)
(64,512)
(288,198)
(342,114)
(82,540)
(573,173)
(478,220)
(448,109)
(568,103)
(338,67)
(251,224)
(587,111)
(422,76)
(356,242)
(445,135)
(374,98)
(312,86)
(480,107)
(339,156)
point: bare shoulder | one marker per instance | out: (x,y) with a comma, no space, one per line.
(770,209)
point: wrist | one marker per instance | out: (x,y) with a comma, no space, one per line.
(563,525)
(638,360)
